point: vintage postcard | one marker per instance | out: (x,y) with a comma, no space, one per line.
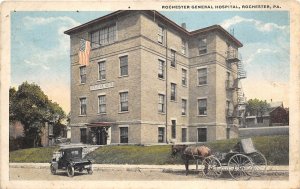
(159,94)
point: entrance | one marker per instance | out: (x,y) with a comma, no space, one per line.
(99,135)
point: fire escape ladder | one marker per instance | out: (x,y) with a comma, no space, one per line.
(241,71)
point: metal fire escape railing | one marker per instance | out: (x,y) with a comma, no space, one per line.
(233,57)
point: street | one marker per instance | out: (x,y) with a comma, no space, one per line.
(123,175)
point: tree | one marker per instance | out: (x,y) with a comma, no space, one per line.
(33,109)
(256,107)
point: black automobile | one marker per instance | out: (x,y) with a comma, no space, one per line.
(70,159)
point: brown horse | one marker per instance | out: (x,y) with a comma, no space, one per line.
(191,153)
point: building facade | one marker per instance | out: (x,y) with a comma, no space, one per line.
(150,80)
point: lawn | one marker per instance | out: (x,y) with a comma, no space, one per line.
(275,149)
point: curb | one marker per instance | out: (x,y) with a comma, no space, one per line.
(271,170)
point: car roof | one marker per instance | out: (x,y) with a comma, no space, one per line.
(70,148)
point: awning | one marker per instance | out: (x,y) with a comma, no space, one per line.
(99,124)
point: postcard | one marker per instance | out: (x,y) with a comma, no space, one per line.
(160,94)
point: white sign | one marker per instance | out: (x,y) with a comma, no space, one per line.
(101,86)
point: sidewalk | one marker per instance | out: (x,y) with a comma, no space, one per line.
(122,167)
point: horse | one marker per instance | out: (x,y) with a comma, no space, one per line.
(191,153)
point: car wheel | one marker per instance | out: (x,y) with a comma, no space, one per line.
(90,170)
(52,169)
(70,171)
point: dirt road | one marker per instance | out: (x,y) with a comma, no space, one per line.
(120,175)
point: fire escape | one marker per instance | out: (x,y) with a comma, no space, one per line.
(236,111)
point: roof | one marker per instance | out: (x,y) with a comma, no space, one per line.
(157,15)
(276,104)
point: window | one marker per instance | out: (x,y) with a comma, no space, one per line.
(202,134)
(102,72)
(82,74)
(102,104)
(183,46)
(95,39)
(183,134)
(124,101)
(173,91)
(124,65)
(160,34)
(184,77)
(161,133)
(202,46)
(202,76)
(202,106)
(83,135)
(173,129)
(173,58)
(82,106)
(161,103)
(161,69)
(183,107)
(227,107)
(123,134)
(103,36)
(260,120)
(227,132)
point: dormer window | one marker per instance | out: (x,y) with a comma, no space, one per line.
(103,36)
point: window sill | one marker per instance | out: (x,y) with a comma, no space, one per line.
(163,79)
(81,84)
(201,115)
(100,80)
(81,115)
(124,112)
(121,76)
(173,67)
(162,113)
(183,115)
(174,101)
(185,86)
(202,85)
(102,113)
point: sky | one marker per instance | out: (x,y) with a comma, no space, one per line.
(40,49)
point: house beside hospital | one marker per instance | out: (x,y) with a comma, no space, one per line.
(150,80)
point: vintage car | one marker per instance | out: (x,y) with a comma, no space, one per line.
(70,159)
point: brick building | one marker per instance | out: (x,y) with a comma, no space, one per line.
(150,80)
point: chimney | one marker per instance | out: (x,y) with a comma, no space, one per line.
(271,99)
(183,25)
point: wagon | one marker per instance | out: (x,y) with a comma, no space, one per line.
(242,162)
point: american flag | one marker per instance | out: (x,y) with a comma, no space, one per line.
(84,52)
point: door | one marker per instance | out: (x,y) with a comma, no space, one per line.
(101,136)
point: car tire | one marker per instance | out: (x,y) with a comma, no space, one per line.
(90,170)
(52,169)
(70,171)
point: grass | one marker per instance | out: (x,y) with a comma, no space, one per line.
(32,155)
(275,149)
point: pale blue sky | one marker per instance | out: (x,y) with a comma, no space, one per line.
(40,50)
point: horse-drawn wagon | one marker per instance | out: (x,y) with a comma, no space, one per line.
(242,162)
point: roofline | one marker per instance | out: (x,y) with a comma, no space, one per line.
(156,13)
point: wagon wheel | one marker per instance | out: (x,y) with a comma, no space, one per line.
(212,167)
(52,169)
(260,163)
(70,171)
(240,167)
